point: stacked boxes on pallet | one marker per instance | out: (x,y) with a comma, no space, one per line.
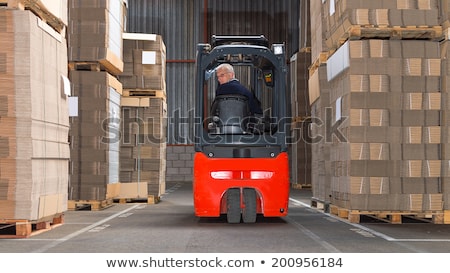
(34,122)
(378,93)
(95,33)
(398,19)
(94,135)
(387,157)
(319,99)
(445,101)
(144,124)
(300,148)
(95,57)
(319,95)
(445,127)
(144,58)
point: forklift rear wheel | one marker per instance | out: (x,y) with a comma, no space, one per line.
(234,206)
(249,211)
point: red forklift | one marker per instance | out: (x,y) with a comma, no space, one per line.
(241,166)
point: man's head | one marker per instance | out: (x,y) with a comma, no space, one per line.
(225,73)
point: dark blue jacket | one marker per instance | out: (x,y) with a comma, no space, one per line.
(235,87)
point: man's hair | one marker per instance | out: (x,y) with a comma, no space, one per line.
(227,67)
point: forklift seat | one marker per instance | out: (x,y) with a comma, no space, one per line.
(230,114)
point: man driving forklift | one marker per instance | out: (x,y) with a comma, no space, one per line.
(228,85)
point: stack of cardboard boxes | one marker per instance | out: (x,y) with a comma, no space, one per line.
(300,148)
(34,151)
(445,101)
(377,85)
(144,108)
(95,59)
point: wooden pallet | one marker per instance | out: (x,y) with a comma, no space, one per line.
(301,119)
(394,32)
(12,4)
(102,65)
(299,186)
(144,93)
(305,50)
(89,204)
(151,199)
(392,217)
(16,229)
(360,32)
(320,204)
(321,59)
(446,34)
(86,66)
(38,9)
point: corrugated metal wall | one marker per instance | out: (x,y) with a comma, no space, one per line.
(277,20)
(183,24)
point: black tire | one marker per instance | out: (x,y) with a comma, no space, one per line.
(249,210)
(234,206)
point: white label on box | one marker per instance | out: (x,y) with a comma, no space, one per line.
(338,108)
(139,36)
(148,57)
(339,61)
(332,7)
(73,106)
(66,85)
